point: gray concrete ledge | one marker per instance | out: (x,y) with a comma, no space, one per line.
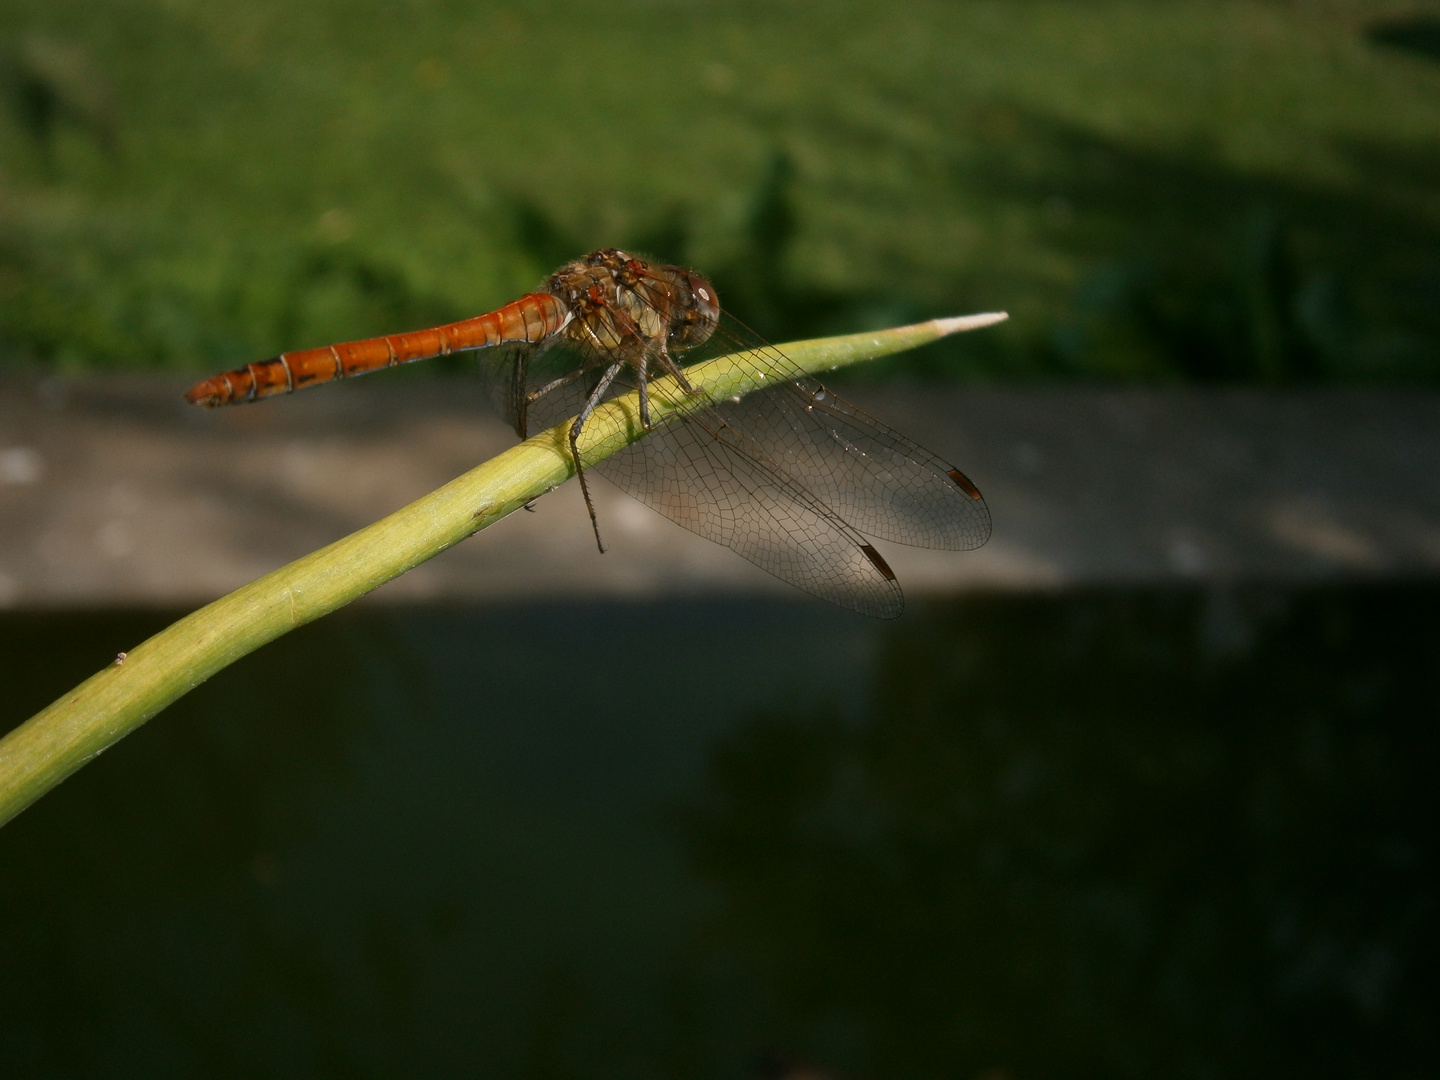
(114,492)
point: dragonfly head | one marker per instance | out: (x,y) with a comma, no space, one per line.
(698,310)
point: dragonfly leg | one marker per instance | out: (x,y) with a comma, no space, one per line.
(642,385)
(593,400)
(519,413)
(672,368)
(539,392)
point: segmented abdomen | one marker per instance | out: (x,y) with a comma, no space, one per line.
(530,318)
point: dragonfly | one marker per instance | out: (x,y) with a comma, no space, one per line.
(791,477)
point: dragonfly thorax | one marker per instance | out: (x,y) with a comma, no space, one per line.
(624,306)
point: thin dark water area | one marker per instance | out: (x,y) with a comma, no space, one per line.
(1127,832)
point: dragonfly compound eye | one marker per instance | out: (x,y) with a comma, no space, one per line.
(705,298)
(700,311)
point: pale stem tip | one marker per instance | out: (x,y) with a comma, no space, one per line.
(958,323)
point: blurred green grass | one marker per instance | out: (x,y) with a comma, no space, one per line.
(1183,189)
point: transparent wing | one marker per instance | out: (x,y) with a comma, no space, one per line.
(704,475)
(877,479)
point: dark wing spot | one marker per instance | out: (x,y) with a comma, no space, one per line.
(963,482)
(880,564)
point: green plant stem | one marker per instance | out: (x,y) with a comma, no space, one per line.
(109,705)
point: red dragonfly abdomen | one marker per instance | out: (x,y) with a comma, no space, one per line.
(530,318)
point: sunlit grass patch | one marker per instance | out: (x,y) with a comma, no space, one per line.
(1190,190)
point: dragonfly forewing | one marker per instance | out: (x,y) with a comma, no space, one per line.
(706,475)
(880,481)
(769,476)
